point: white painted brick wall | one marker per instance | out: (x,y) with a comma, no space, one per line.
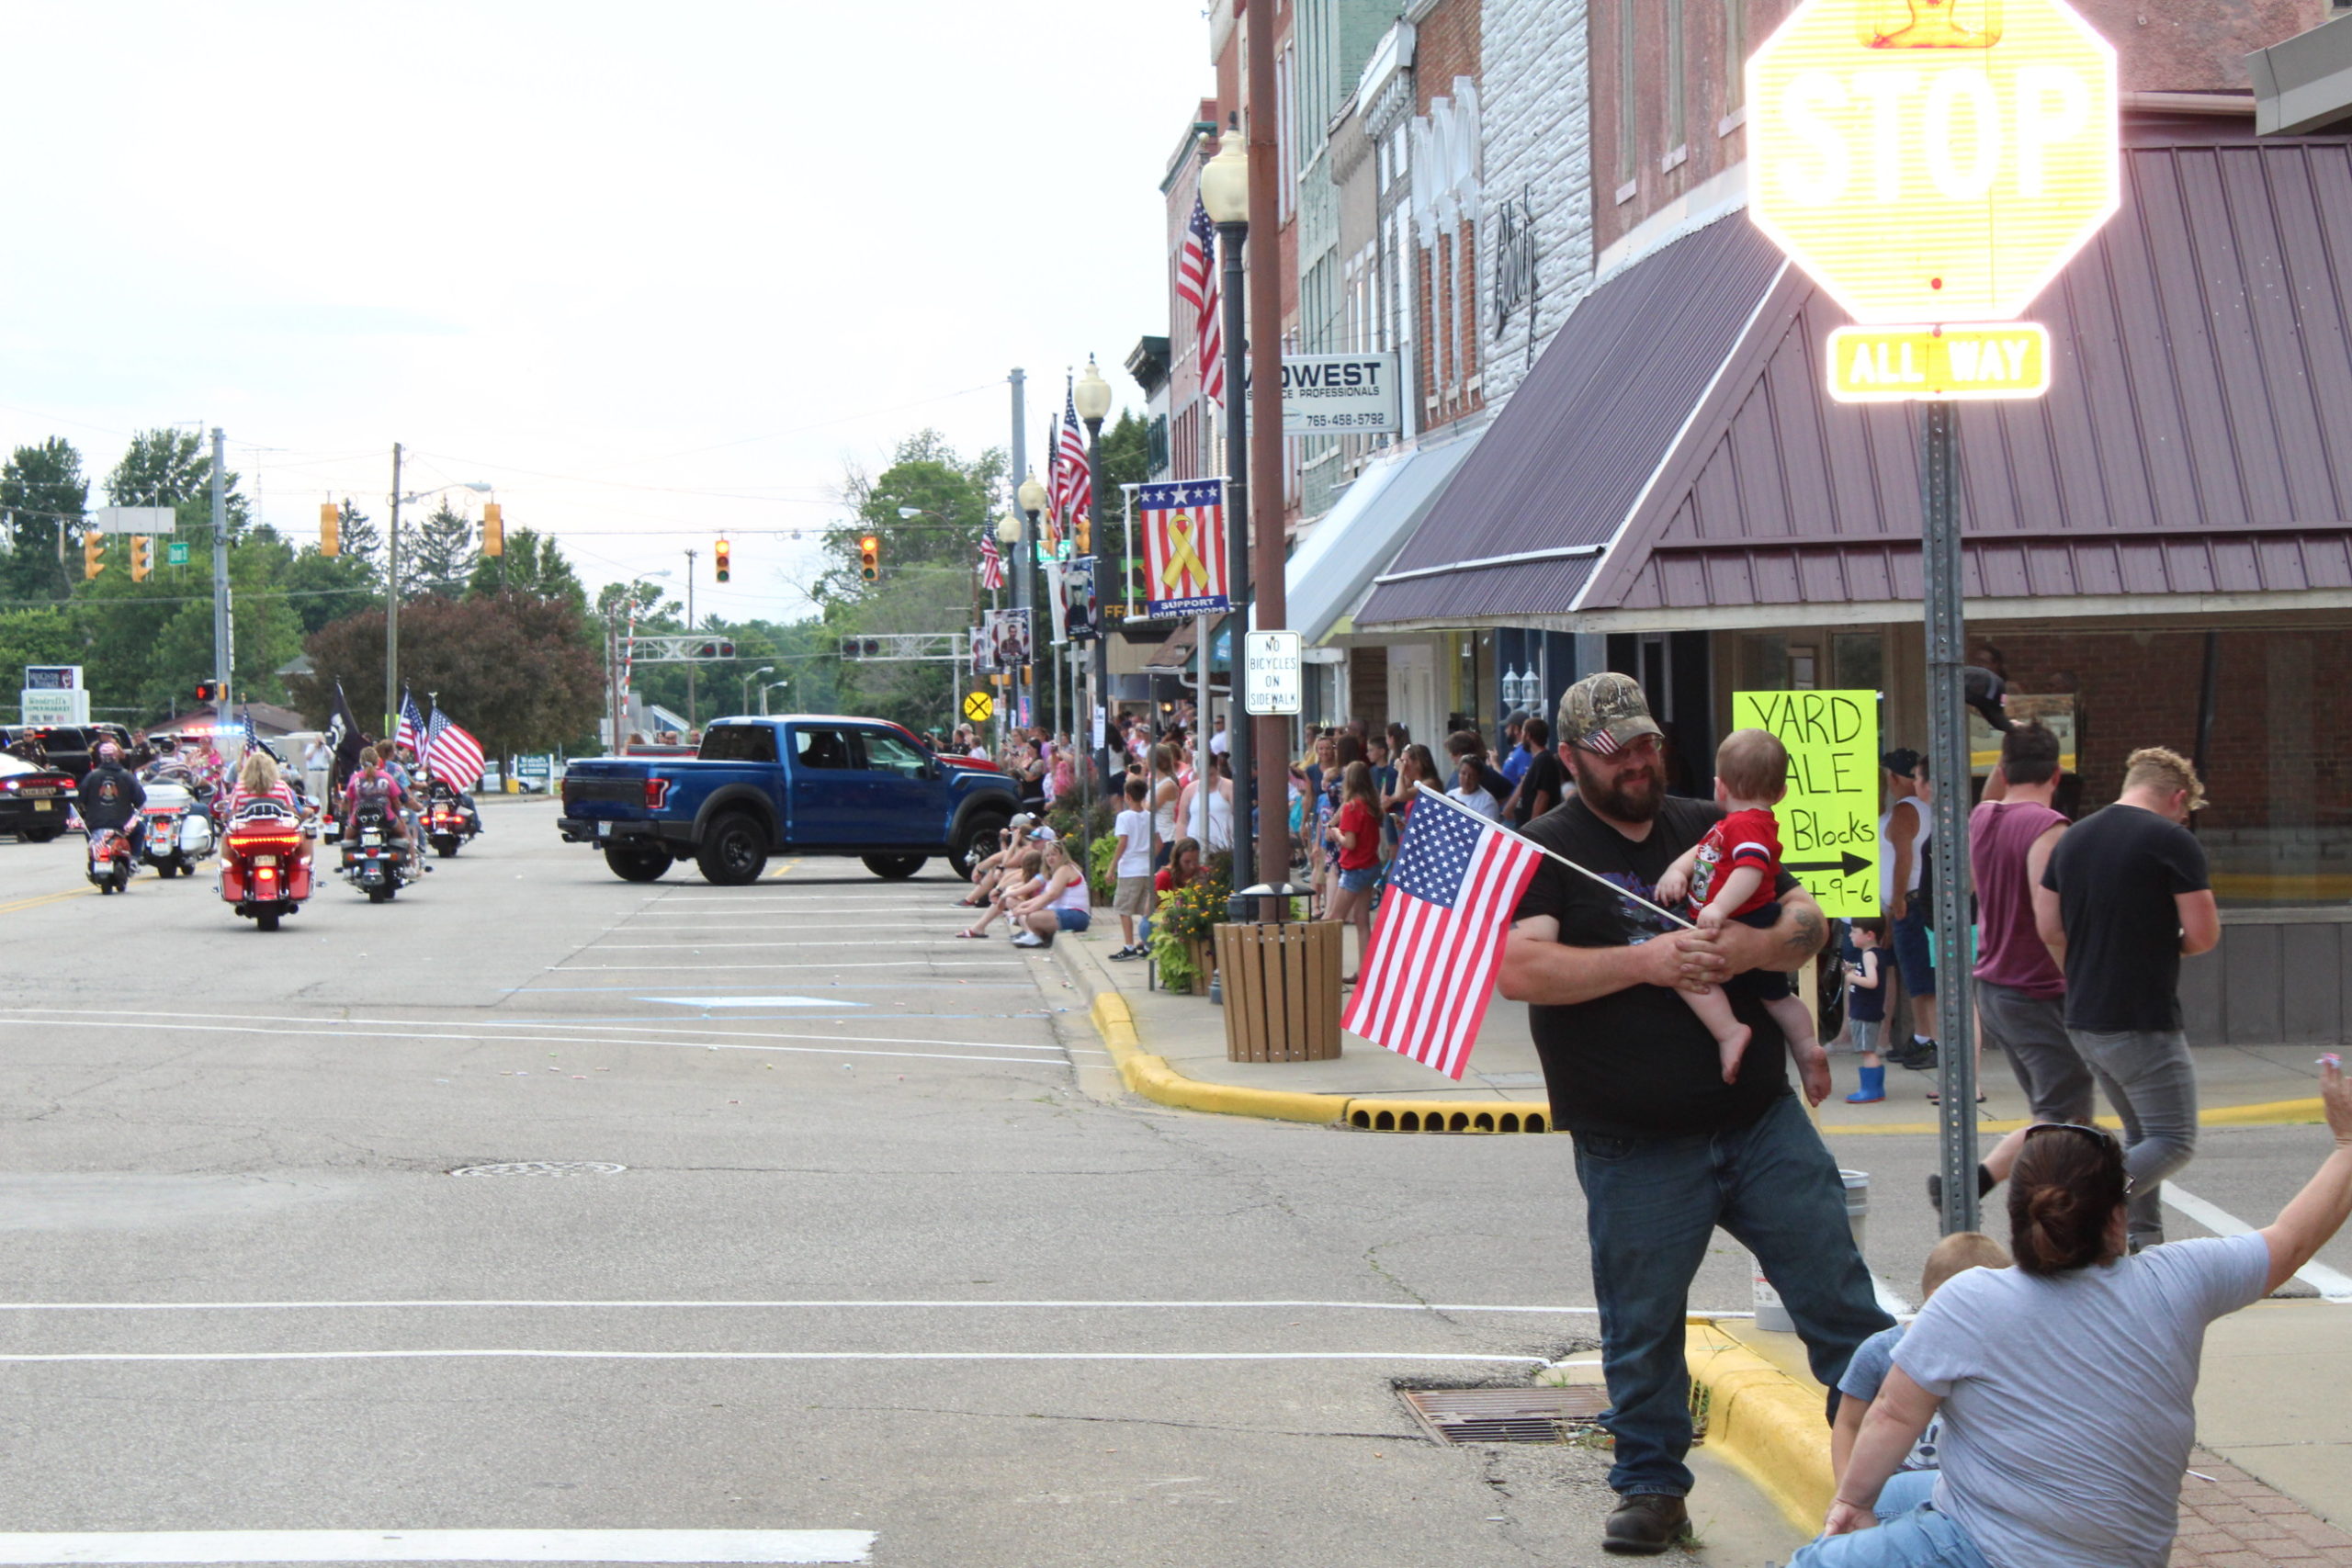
(1538,109)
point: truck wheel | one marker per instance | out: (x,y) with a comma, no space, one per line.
(733,852)
(894,868)
(978,842)
(41,835)
(638,863)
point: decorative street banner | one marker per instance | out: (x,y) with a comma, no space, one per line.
(1183,543)
(1829,818)
(978,644)
(1081,619)
(1005,638)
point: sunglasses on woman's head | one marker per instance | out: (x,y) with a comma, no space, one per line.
(2096,1135)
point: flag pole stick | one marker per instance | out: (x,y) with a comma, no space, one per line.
(1489,821)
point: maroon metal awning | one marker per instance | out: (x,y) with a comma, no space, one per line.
(2196,444)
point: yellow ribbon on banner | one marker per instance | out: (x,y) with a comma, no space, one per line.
(1183,558)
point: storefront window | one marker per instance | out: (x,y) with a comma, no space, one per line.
(1763,663)
(1858,661)
(2276,751)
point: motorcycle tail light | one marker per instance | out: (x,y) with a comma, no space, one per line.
(257,843)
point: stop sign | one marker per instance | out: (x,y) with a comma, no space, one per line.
(1933,160)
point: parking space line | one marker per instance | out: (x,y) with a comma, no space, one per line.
(787,1546)
(2331,1284)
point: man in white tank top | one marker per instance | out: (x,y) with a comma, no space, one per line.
(1902,853)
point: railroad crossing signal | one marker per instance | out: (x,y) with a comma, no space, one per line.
(721,566)
(869,557)
(978,707)
(94,553)
(329,529)
(1933,162)
(493,530)
(142,557)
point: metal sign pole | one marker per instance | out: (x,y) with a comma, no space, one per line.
(1947,767)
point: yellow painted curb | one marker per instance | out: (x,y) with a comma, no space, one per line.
(2267,1114)
(1380,1115)
(1153,1078)
(1767,1424)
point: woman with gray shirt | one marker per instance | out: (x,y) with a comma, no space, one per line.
(2067,1384)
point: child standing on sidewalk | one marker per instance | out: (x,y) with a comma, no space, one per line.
(1729,875)
(1132,868)
(1866,1009)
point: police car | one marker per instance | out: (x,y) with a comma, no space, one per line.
(33,799)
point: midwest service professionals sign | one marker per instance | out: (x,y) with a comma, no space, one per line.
(1341,394)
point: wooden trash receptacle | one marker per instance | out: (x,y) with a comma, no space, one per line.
(1282,990)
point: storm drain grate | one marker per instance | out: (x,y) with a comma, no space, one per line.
(1507,1415)
(543,1168)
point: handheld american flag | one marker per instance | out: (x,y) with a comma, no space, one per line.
(1439,942)
(453,756)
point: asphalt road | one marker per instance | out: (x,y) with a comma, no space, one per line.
(883,1251)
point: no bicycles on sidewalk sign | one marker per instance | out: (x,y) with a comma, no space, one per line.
(1829,818)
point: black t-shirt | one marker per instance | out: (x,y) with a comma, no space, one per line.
(1544,777)
(2116,872)
(1638,1063)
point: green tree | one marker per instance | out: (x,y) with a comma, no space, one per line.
(441,554)
(359,537)
(533,564)
(36,637)
(170,467)
(43,497)
(319,588)
(950,497)
(521,673)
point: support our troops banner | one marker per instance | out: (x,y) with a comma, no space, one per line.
(1185,555)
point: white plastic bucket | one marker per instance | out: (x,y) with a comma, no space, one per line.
(1771,1313)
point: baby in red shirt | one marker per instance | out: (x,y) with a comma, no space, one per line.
(1730,876)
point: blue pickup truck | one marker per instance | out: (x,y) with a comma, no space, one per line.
(805,785)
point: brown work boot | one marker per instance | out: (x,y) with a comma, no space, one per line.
(1645,1524)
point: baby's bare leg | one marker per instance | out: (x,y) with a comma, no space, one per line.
(1713,1008)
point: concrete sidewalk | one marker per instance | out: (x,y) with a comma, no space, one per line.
(2239,1085)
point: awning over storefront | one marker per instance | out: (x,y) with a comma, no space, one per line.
(1519,530)
(2195,448)
(1328,575)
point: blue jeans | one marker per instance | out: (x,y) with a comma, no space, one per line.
(1920,1539)
(1912,955)
(1651,1207)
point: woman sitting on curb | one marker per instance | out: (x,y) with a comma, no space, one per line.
(2067,1384)
(1061,902)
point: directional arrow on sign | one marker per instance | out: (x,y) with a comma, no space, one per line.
(1850,863)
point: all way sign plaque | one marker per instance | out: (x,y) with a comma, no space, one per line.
(1889,364)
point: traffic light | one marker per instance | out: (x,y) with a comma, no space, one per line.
(869,557)
(142,557)
(93,553)
(719,563)
(493,530)
(329,529)
(208,692)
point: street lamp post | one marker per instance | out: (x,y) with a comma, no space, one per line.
(392,587)
(1008,539)
(771,686)
(1092,396)
(1025,580)
(1225,196)
(762,670)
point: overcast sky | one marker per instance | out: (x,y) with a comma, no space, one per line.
(657,273)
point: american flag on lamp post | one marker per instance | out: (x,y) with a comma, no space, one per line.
(1196,285)
(1073,479)
(991,564)
(1439,942)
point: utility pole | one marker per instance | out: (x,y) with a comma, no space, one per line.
(392,605)
(1021,569)
(222,651)
(1270,739)
(690,627)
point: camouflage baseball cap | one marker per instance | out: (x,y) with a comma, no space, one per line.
(1603,713)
